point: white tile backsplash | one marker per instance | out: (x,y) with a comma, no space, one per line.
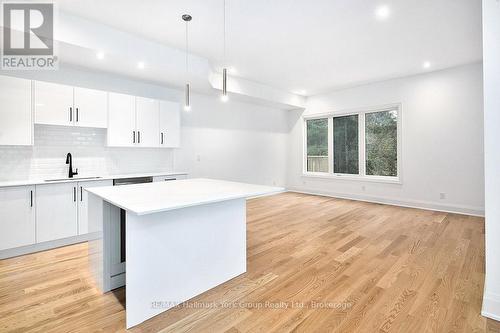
(46,159)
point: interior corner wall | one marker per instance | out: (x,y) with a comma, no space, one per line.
(233,141)
(442,141)
(491,54)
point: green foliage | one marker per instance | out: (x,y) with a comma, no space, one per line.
(381,143)
(317,137)
(345,145)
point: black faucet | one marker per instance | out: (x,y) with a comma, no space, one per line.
(69,160)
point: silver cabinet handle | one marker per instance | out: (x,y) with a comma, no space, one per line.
(133,137)
(138,136)
(76,114)
(161,137)
(74,194)
(70,114)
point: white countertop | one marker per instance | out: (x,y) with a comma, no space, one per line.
(10,183)
(142,199)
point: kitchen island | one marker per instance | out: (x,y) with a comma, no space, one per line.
(182,238)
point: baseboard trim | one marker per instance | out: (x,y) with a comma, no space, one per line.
(19,251)
(473,211)
(491,306)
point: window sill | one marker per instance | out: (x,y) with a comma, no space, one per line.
(372,179)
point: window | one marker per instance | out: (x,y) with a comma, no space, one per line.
(381,133)
(357,145)
(317,145)
(345,145)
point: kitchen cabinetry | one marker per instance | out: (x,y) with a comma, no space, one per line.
(42,216)
(17,216)
(168,178)
(170,124)
(90,108)
(57,104)
(121,120)
(133,121)
(56,211)
(16,123)
(83,203)
(53,103)
(147,117)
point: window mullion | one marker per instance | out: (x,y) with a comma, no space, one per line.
(361,145)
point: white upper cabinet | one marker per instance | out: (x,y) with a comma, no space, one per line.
(170,124)
(147,116)
(90,107)
(17,217)
(57,104)
(121,120)
(53,103)
(16,123)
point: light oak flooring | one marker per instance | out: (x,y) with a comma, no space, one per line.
(338,266)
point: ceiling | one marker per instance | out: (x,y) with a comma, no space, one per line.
(305,47)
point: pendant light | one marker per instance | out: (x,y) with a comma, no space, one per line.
(224,97)
(187,106)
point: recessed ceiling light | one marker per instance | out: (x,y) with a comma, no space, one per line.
(300,92)
(141,65)
(383,12)
(100,55)
(426,65)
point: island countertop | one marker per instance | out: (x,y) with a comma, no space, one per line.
(149,198)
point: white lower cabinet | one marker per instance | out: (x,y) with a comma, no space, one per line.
(56,211)
(17,216)
(83,219)
(168,178)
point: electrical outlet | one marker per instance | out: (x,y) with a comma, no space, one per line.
(442,195)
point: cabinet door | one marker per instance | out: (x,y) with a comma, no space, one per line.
(53,104)
(147,115)
(121,120)
(17,218)
(91,108)
(16,122)
(83,224)
(56,211)
(170,124)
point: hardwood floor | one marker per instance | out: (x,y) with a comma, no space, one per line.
(315,264)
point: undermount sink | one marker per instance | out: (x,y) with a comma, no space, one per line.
(75,178)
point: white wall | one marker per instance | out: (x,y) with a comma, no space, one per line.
(442,144)
(234,141)
(491,54)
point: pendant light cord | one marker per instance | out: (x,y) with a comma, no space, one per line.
(187,53)
(224,58)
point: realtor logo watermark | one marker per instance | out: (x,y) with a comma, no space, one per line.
(28,36)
